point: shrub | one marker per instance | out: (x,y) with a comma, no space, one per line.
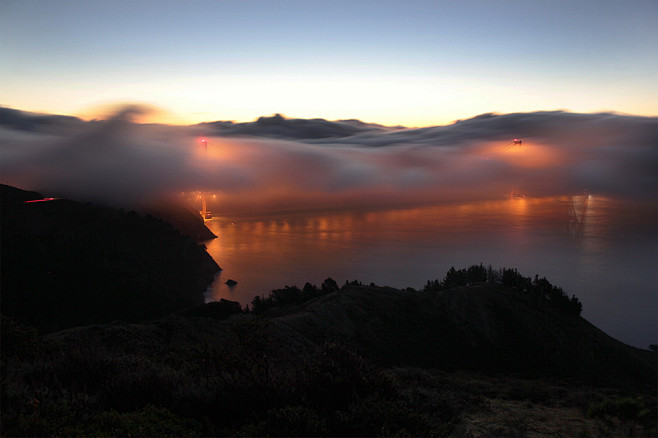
(293,295)
(18,341)
(627,409)
(382,417)
(287,295)
(532,391)
(291,421)
(148,421)
(221,309)
(139,382)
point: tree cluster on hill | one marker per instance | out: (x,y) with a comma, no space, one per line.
(474,274)
(292,295)
(508,277)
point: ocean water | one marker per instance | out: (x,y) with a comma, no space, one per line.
(602,250)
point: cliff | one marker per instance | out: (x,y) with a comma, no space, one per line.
(66,264)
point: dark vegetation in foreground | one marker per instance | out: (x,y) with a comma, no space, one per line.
(247,375)
(472,360)
(482,352)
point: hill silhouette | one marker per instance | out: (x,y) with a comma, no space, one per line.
(28,121)
(485,328)
(360,361)
(66,264)
(278,126)
(182,216)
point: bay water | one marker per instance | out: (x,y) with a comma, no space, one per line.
(603,250)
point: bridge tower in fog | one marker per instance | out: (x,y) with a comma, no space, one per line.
(516,142)
(576,218)
(205,213)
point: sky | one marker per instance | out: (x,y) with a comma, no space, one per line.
(411,63)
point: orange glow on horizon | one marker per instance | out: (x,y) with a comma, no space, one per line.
(529,154)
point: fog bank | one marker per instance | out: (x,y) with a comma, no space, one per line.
(281,164)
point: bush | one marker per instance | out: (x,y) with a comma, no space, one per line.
(532,391)
(150,421)
(382,417)
(138,383)
(293,295)
(291,421)
(627,409)
(221,309)
(18,341)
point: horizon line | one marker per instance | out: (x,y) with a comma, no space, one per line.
(148,115)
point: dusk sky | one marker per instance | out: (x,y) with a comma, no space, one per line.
(414,63)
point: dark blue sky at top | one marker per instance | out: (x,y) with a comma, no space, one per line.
(537,48)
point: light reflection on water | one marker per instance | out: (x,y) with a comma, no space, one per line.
(601,250)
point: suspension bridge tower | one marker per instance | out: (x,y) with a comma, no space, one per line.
(205,213)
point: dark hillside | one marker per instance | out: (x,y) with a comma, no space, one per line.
(490,329)
(11,195)
(66,264)
(468,354)
(178,212)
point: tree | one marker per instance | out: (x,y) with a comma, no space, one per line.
(329,286)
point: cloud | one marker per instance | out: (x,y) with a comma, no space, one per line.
(314,164)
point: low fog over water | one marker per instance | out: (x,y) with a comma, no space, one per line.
(282,164)
(300,200)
